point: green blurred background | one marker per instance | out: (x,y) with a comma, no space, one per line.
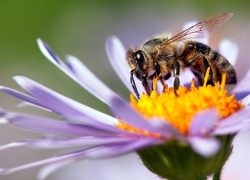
(81,28)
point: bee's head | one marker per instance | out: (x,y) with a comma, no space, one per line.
(138,63)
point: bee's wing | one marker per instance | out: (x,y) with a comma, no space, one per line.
(202,28)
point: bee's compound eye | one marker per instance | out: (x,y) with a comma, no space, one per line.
(139,56)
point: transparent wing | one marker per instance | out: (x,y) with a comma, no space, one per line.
(201,29)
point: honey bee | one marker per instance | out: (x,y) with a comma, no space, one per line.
(159,57)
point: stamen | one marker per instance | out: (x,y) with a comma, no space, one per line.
(179,111)
(155,83)
(206,77)
(223,81)
(192,83)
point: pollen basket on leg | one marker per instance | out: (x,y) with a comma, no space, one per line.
(180,110)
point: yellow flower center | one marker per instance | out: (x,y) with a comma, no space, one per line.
(180,110)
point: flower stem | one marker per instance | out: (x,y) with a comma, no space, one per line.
(217,174)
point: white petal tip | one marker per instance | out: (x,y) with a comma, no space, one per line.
(41,46)
(112,38)
(230,49)
(206,147)
(3,171)
(21,80)
(16,77)
(47,52)
(3,121)
(39,40)
(10,145)
(71,58)
(113,43)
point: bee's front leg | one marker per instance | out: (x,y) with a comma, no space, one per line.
(132,81)
(145,84)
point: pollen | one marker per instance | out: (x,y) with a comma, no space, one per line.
(180,110)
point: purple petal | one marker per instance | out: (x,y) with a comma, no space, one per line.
(246,100)
(116,54)
(206,147)
(100,153)
(80,110)
(89,81)
(165,129)
(93,83)
(132,146)
(203,40)
(242,89)
(63,105)
(124,111)
(77,154)
(22,96)
(116,103)
(26,104)
(233,123)
(78,72)
(50,168)
(231,129)
(78,142)
(94,152)
(229,49)
(11,145)
(203,122)
(50,55)
(47,125)
(237,117)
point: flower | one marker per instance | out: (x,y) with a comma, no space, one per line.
(207,137)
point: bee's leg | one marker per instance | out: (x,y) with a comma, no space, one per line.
(145,84)
(167,76)
(151,77)
(176,77)
(133,84)
(158,73)
(193,59)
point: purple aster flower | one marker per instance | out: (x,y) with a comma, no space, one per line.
(207,138)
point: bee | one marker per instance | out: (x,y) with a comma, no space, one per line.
(159,57)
